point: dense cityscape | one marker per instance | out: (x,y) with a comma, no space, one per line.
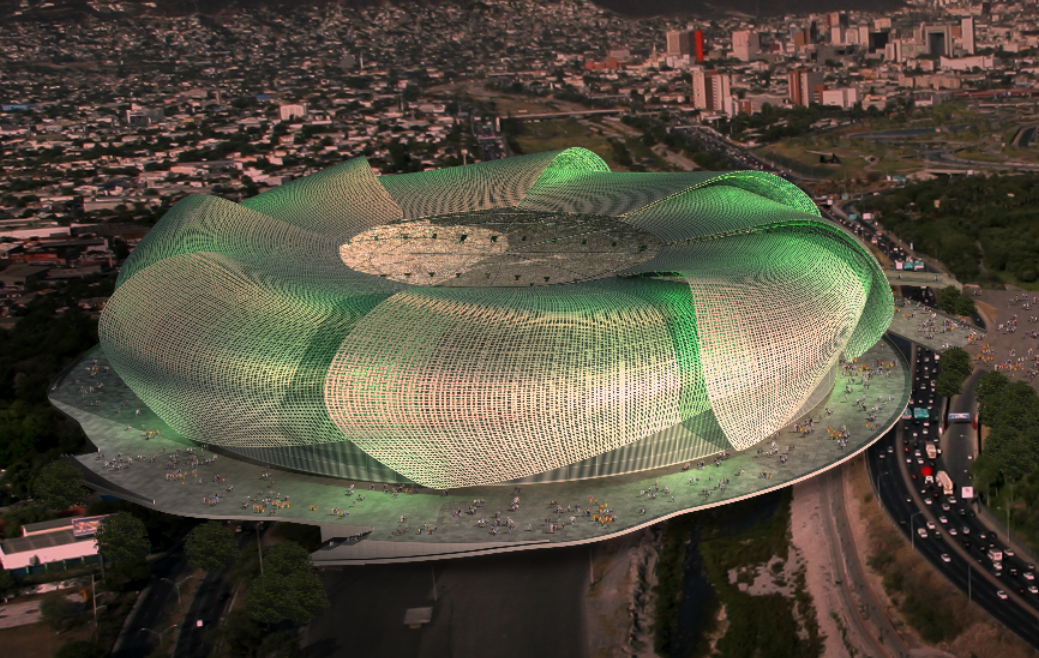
(911,132)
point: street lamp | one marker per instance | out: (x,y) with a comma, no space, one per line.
(176,585)
(912,533)
(160,634)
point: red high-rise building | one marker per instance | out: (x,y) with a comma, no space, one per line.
(698,45)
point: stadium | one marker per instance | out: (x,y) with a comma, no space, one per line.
(538,319)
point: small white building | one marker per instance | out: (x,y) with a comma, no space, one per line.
(59,541)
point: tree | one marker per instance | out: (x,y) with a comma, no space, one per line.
(59,486)
(990,389)
(965,306)
(956,367)
(80,649)
(288,589)
(55,608)
(8,584)
(122,537)
(211,547)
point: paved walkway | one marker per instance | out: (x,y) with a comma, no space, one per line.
(921,279)
(931,328)
(19,614)
(432,526)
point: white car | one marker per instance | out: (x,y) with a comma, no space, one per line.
(1032,589)
(927,501)
(942,519)
(952,531)
(930,526)
(922,532)
(946,558)
(966,530)
(1008,552)
(1028,575)
(1001,594)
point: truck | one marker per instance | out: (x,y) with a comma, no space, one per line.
(932,452)
(946,482)
(996,555)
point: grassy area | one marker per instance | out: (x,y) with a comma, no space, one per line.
(766,625)
(540,136)
(670,572)
(798,164)
(979,155)
(930,605)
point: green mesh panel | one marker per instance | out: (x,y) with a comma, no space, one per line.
(466,386)
(494,184)
(242,325)
(338,202)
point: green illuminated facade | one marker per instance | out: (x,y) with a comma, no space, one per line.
(531,319)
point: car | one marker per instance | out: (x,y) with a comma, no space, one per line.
(1009,552)
(946,558)
(945,508)
(927,501)
(1028,575)
(1032,589)
(931,526)
(965,530)
(922,532)
(942,519)
(920,461)
(1030,566)
(916,453)
(890,449)
(1001,594)
(952,500)
(952,531)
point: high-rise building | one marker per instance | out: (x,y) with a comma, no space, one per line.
(698,45)
(679,43)
(746,45)
(711,90)
(967,30)
(805,86)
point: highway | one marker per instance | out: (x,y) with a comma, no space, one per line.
(956,547)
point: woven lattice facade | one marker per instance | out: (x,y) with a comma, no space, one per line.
(529,319)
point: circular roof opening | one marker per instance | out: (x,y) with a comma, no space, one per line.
(500,248)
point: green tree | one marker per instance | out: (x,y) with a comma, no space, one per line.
(81,649)
(288,589)
(990,389)
(8,584)
(956,366)
(55,609)
(948,299)
(122,537)
(965,306)
(211,547)
(1013,442)
(59,486)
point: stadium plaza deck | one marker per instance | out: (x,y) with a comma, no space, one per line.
(105,413)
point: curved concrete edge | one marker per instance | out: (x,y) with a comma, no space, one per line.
(372,551)
(420,556)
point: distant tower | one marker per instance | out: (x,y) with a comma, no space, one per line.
(967,29)
(698,45)
(745,45)
(679,43)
